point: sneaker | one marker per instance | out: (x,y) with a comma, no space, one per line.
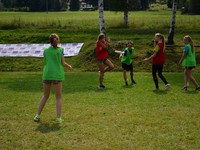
(133,82)
(184,88)
(59,120)
(102,87)
(37,118)
(198,88)
(156,90)
(126,83)
(167,86)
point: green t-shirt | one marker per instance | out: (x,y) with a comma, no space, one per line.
(190,60)
(127,57)
(53,68)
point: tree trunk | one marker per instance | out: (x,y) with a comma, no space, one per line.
(101,17)
(173,21)
(126,21)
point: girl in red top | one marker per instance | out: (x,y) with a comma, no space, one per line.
(104,63)
(158,60)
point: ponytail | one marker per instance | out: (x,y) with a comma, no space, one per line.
(54,40)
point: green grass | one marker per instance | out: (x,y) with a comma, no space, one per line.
(116,118)
(27,27)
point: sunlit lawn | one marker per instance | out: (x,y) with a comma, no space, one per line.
(118,117)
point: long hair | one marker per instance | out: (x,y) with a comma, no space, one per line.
(190,41)
(54,40)
(162,37)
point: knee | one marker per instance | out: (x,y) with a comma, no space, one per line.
(160,75)
(112,67)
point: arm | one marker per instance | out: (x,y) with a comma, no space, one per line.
(156,49)
(104,45)
(182,58)
(66,64)
(123,54)
(152,56)
(185,52)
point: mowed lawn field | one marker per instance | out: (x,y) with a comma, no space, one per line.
(118,117)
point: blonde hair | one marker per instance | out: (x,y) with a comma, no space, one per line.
(54,40)
(162,37)
(190,41)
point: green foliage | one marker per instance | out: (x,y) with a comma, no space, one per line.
(119,117)
(20,27)
(74,5)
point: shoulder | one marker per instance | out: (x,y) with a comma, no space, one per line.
(186,48)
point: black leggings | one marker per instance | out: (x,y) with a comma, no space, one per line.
(158,68)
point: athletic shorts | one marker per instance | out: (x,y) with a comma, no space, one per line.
(190,68)
(52,81)
(101,61)
(127,67)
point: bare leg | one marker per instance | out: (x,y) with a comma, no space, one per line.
(186,83)
(45,97)
(124,75)
(58,94)
(189,76)
(101,73)
(109,65)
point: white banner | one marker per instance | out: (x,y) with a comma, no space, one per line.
(36,50)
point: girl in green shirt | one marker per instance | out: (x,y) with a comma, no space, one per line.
(53,73)
(188,61)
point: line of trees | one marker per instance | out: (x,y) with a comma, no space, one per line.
(187,6)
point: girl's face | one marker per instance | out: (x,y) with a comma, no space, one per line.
(103,38)
(156,38)
(185,40)
(130,45)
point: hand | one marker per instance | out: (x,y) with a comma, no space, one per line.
(70,67)
(120,56)
(179,65)
(146,59)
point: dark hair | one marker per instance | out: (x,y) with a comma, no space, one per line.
(101,36)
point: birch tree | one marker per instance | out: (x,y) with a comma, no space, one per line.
(101,17)
(126,20)
(173,21)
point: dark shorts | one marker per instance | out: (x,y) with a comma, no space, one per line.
(127,67)
(190,68)
(101,61)
(52,81)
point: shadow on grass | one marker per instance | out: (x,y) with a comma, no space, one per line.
(160,92)
(190,92)
(74,82)
(46,127)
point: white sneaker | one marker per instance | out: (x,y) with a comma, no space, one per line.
(167,86)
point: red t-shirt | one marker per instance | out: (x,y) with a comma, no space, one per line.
(101,53)
(159,59)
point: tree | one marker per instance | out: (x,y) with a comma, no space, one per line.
(195,6)
(1,5)
(144,4)
(169,3)
(37,5)
(122,5)
(74,5)
(101,17)
(93,2)
(173,21)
